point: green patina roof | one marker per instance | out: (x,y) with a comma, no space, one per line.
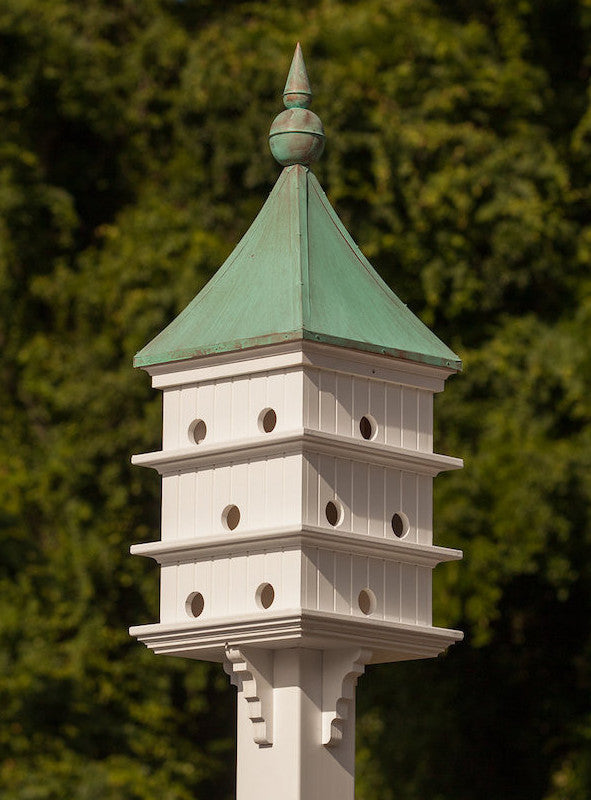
(296,274)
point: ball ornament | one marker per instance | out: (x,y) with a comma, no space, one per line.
(297,135)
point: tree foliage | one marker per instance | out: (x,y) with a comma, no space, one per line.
(132,157)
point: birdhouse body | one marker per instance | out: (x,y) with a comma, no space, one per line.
(307,469)
(297,473)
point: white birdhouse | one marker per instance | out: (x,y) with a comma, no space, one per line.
(297,468)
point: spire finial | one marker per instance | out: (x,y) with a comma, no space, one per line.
(297,135)
(297,92)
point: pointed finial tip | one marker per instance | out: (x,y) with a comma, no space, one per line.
(297,92)
(297,135)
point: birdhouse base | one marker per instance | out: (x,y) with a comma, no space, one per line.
(386,641)
(296,722)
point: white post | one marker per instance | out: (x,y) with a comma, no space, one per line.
(296,722)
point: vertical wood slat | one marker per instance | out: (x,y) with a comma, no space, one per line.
(344,408)
(272,561)
(255,577)
(424,598)
(327,402)
(376,584)
(257,491)
(311,578)
(408,504)
(425,510)
(170,490)
(410,411)
(291,579)
(292,489)
(425,422)
(221,497)
(311,499)
(168,593)
(242,425)
(377,408)
(394,415)
(237,578)
(376,501)
(185,584)
(257,401)
(293,393)
(326,580)
(204,502)
(171,401)
(359,581)
(359,501)
(204,409)
(186,501)
(408,593)
(343,490)
(361,405)
(392,591)
(326,465)
(311,400)
(343,583)
(187,403)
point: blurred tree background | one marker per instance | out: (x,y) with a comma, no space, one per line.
(133,155)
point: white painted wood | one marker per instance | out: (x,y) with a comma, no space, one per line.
(293,605)
(408,503)
(170,506)
(168,593)
(424,599)
(327,385)
(171,403)
(375,582)
(377,409)
(408,593)
(187,500)
(298,766)
(282,357)
(361,404)
(171,551)
(410,418)
(392,590)
(182,588)
(344,404)
(425,510)
(425,423)
(375,491)
(394,415)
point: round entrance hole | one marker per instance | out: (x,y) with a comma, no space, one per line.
(231,517)
(197,431)
(400,524)
(265,595)
(195,604)
(368,427)
(267,420)
(367,601)
(334,513)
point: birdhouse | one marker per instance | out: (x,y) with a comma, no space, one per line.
(297,470)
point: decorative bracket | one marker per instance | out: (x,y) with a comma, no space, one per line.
(340,671)
(251,671)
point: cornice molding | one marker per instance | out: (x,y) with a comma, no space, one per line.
(174,551)
(302,441)
(206,640)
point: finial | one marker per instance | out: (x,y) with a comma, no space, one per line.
(297,135)
(297,92)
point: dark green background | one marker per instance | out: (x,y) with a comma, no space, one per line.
(133,156)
